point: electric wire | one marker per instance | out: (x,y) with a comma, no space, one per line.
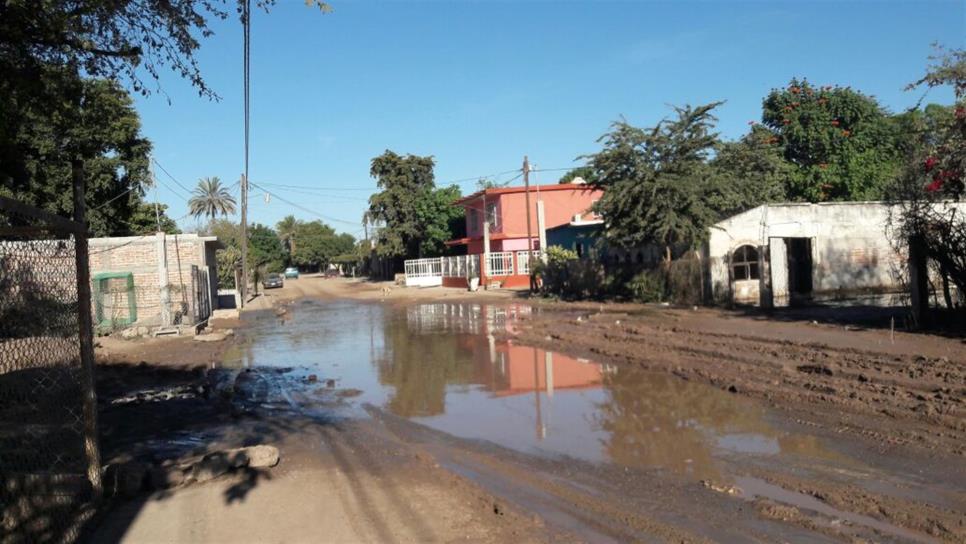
(303,208)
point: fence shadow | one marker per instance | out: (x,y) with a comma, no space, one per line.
(153,415)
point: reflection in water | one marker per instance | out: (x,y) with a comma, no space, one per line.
(442,365)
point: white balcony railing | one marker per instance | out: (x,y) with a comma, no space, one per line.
(500,264)
(523,260)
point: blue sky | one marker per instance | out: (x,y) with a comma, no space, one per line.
(480,84)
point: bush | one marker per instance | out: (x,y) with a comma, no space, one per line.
(567,276)
(648,286)
(684,281)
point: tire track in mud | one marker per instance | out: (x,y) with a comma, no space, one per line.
(925,395)
(884,400)
(603,503)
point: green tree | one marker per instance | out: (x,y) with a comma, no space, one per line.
(228,259)
(144,220)
(586,172)
(265,249)
(38,142)
(658,185)
(844,145)
(318,245)
(414,217)
(286,229)
(110,39)
(754,169)
(211,199)
(441,219)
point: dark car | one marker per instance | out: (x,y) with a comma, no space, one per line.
(273,280)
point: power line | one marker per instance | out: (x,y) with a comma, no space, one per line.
(313,188)
(173,190)
(337,197)
(303,208)
(113,199)
(174,179)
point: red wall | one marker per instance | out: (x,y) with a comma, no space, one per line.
(560,205)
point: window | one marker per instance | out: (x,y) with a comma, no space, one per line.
(744,263)
(474,220)
(491,216)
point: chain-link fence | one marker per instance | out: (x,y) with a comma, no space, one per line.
(48,451)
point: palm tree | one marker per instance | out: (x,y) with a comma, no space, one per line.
(211,199)
(286,231)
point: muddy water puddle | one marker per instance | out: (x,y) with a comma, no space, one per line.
(443,366)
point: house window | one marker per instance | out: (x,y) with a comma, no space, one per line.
(744,263)
(474,220)
(491,216)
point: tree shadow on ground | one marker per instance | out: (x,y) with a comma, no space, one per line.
(157,416)
(948,323)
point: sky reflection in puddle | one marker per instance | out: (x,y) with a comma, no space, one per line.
(440,365)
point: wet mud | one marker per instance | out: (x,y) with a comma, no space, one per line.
(598,426)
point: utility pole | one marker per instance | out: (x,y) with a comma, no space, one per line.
(243,289)
(526,184)
(85,323)
(246,54)
(154,182)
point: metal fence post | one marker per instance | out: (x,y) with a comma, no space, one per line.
(86,334)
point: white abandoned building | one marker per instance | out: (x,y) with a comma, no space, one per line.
(778,254)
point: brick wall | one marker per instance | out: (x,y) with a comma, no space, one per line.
(139,256)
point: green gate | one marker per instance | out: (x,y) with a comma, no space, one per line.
(107,320)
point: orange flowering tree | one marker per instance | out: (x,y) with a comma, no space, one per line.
(842,143)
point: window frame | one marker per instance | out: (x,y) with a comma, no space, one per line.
(745,263)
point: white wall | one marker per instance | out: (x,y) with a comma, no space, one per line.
(851,248)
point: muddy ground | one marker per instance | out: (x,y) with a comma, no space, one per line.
(340,479)
(893,402)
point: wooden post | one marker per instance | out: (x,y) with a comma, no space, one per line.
(243,288)
(918,281)
(486,252)
(85,334)
(526,184)
(164,293)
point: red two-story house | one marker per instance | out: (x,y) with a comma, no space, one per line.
(505,210)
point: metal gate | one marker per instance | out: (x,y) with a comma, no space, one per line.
(49,459)
(201,283)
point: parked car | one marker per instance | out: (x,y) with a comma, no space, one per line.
(332,273)
(292,272)
(273,280)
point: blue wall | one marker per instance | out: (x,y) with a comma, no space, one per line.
(579,238)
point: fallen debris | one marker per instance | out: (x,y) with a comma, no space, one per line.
(211,337)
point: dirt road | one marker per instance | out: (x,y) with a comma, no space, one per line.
(441,423)
(339,480)
(316,286)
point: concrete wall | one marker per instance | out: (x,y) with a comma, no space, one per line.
(850,250)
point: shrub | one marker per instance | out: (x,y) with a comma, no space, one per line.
(565,275)
(648,286)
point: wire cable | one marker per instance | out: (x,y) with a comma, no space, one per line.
(303,208)
(174,179)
